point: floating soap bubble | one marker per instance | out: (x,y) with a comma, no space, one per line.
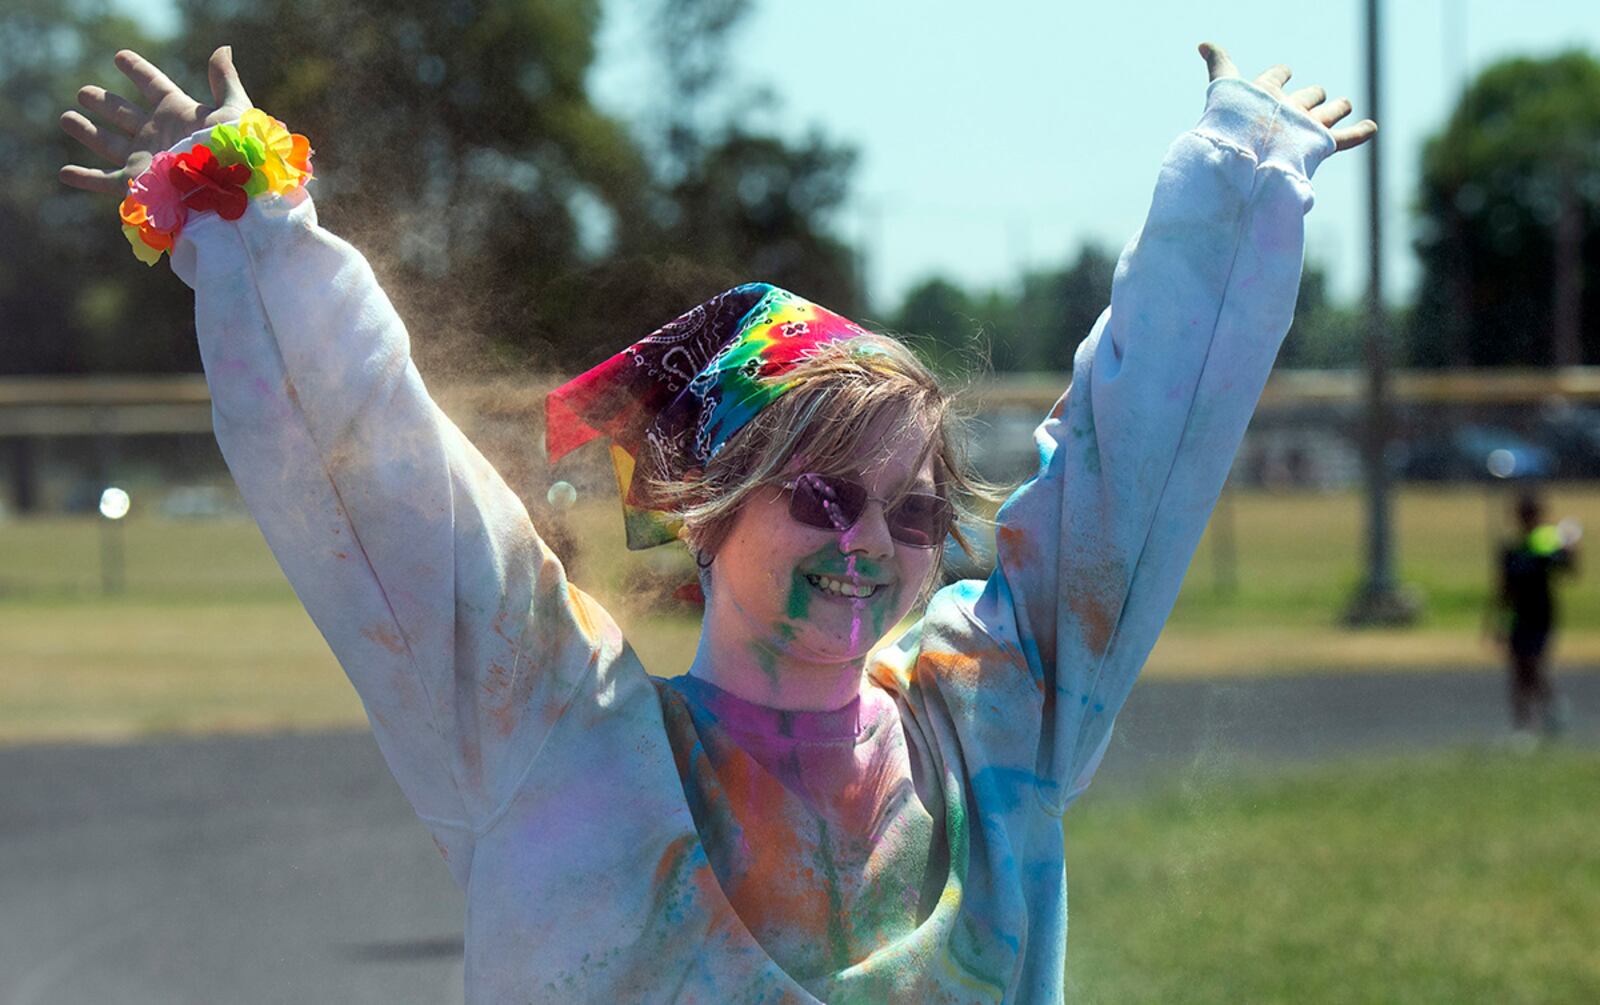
(562,495)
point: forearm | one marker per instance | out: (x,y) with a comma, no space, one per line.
(416,561)
(1094,548)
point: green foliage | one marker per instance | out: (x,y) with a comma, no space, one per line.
(1033,327)
(72,297)
(738,197)
(510,219)
(1038,325)
(457,144)
(1324,335)
(759,205)
(1520,152)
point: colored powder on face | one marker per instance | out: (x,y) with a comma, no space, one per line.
(799,605)
(767,660)
(855,605)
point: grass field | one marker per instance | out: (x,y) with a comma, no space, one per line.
(1460,878)
(207,634)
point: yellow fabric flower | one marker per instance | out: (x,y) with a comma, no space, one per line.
(288,155)
(142,251)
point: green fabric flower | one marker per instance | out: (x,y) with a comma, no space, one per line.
(233,147)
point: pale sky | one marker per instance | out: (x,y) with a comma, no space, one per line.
(1001,134)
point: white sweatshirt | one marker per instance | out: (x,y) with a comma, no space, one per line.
(622,839)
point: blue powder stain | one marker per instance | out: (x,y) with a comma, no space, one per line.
(1002,789)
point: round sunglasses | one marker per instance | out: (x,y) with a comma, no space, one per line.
(835,502)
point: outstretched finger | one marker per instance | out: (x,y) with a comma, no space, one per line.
(112,108)
(1274,77)
(1308,97)
(93,179)
(113,146)
(1361,132)
(153,85)
(226,89)
(1332,112)
(1218,65)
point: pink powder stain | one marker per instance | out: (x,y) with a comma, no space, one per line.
(857,605)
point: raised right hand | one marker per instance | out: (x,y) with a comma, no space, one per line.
(134,134)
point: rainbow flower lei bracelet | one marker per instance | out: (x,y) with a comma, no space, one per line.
(235,164)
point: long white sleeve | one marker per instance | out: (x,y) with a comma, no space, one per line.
(415,560)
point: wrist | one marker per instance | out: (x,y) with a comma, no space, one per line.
(216,170)
(1275,131)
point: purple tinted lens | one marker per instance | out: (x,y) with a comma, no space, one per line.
(827,503)
(921,520)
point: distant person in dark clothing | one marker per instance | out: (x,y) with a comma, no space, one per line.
(1528,610)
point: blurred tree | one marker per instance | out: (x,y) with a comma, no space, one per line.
(1057,310)
(71,297)
(1324,335)
(1037,327)
(458,147)
(511,220)
(738,196)
(938,318)
(1509,220)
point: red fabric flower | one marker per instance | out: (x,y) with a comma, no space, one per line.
(206,184)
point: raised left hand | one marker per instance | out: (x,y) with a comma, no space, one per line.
(1312,100)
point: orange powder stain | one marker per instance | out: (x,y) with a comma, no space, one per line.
(959,668)
(1010,536)
(671,856)
(443,851)
(776,890)
(503,704)
(1090,604)
(387,637)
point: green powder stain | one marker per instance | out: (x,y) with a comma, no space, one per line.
(838,939)
(767,661)
(1091,459)
(799,605)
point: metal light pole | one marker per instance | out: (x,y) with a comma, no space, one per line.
(114,505)
(1379,601)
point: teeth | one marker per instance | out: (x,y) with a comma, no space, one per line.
(838,587)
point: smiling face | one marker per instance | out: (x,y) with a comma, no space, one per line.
(786,592)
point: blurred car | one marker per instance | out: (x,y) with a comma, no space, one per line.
(1572,433)
(199,502)
(1466,452)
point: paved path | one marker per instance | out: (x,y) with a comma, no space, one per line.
(289,869)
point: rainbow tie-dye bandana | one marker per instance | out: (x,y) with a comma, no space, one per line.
(672,400)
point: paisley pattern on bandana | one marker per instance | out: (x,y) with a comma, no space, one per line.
(670,402)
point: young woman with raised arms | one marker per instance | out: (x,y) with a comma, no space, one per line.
(792,820)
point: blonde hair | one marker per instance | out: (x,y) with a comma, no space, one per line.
(837,404)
